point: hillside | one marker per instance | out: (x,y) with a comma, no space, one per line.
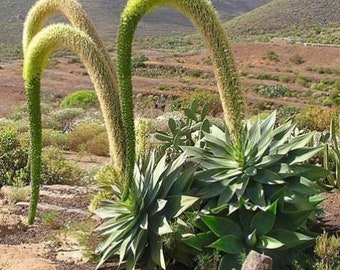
(105,14)
(280,15)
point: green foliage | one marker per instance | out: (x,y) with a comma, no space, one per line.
(327,248)
(51,219)
(315,118)
(272,56)
(133,228)
(201,97)
(274,91)
(264,76)
(137,61)
(90,137)
(55,138)
(106,178)
(296,59)
(261,177)
(13,158)
(57,170)
(303,80)
(186,131)
(331,155)
(178,43)
(82,99)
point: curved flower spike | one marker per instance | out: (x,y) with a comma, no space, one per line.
(203,16)
(38,50)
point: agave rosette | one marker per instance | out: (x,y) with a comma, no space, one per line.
(133,229)
(267,164)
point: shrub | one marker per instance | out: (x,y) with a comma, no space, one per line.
(327,248)
(57,170)
(274,91)
(82,134)
(297,59)
(13,158)
(82,98)
(137,61)
(202,97)
(315,118)
(98,145)
(272,56)
(284,79)
(51,137)
(302,80)
(264,76)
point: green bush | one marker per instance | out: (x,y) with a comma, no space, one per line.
(302,80)
(137,61)
(272,56)
(274,91)
(57,170)
(55,138)
(82,98)
(13,158)
(202,97)
(315,118)
(80,137)
(297,59)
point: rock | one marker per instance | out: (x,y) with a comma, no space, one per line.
(43,206)
(257,261)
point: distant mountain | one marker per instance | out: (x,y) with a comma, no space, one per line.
(105,15)
(278,15)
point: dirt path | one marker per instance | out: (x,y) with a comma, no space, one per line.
(52,242)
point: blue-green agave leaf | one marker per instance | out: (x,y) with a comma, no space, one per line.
(256,194)
(230,244)
(228,262)
(268,177)
(290,239)
(157,251)
(301,155)
(263,221)
(267,242)
(172,126)
(222,226)
(200,241)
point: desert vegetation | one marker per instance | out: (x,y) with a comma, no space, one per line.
(197,175)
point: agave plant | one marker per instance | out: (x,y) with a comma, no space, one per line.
(266,165)
(332,155)
(260,183)
(265,231)
(133,229)
(186,131)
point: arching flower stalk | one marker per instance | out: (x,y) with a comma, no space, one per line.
(38,50)
(203,16)
(73,11)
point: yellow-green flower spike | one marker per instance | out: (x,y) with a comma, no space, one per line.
(203,16)
(38,50)
(73,10)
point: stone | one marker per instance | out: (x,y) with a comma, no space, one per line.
(257,261)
